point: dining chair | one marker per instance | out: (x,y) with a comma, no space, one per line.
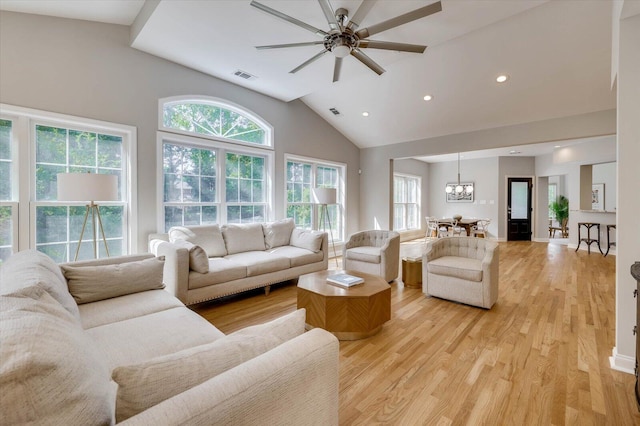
(481,229)
(432,227)
(456,230)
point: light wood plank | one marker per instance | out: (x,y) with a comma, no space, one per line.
(539,356)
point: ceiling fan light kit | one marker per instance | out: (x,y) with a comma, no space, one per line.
(345,38)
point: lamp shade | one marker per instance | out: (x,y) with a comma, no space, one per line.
(324,195)
(87,187)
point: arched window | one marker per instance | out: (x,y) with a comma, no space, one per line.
(215,118)
(214,165)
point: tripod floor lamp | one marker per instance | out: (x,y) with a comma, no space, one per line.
(89,187)
(325,197)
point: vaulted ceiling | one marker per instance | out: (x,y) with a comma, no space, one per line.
(556,53)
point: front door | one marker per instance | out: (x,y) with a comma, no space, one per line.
(519,209)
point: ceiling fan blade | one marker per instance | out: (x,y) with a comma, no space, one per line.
(288,18)
(400,20)
(279,46)
(308,61)
(329,14)
(390,45)
(336,69)
(357,53)
(360,14)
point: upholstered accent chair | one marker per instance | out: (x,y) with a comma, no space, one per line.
(374,252)
(462,269)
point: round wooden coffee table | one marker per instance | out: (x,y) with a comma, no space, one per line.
(349,313)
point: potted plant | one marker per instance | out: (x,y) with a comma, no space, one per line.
(560,208)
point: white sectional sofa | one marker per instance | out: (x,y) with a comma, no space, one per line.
(105,343)
(208,261)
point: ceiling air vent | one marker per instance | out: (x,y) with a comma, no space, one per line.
(244,74)
(334,111)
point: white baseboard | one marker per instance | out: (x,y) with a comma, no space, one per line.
(623,363)
(540,240)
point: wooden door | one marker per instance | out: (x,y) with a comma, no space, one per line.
(519,209)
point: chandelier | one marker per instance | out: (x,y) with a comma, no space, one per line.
(459,191)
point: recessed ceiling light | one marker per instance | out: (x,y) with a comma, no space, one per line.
(365,114)
(428,97)
(502,78)
(557,146)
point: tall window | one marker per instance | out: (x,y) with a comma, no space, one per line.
(190,187)
(8,206)
(58,225)
(214,177)
(62,144)
(301,176)
(406,196)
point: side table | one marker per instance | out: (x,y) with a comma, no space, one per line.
(589,240)
(412,272)
(609,243)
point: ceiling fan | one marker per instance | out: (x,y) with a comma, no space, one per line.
(344,38)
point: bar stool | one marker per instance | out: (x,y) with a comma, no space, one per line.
(609,243)
(589,240)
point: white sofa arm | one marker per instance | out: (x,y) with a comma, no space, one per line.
(176,267)
(295,383)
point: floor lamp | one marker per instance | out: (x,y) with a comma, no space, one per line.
(324,197)
(89,187)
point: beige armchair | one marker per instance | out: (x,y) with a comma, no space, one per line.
(462,269)
(373,252)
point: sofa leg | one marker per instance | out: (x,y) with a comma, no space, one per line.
(267,289)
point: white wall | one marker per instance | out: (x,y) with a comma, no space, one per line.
(375,191)
(628,131)
(567,161)
(483,173)
(607,173)
(87,69)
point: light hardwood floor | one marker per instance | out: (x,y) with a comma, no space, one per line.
(540,356)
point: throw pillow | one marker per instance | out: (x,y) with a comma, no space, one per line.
(30,267)
(208,237)
(144,385)
(310,240)
(50,373)
(240,238)
(198,260)
(277,234)
(92,283)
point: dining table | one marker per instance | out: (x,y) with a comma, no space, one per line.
(465,223)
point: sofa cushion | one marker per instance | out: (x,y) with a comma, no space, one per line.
(50,372)
(365,254)
(457,267)
(221,270)
(139,339)
(91,283)
(126,307)
(278,234)
(146,384)
(297,256)
(208,237)
(198,260)
(243,237)
(260,262)
(310,240)
(30,267)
